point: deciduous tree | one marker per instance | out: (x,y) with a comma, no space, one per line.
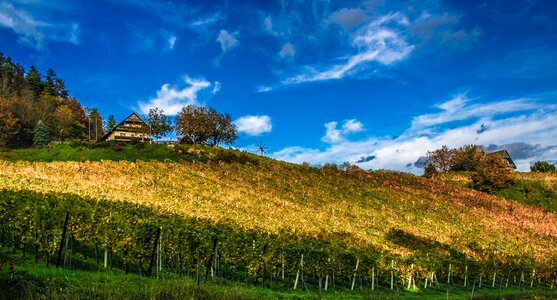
(542,166)
(159,123)
(201,125)
(492,174)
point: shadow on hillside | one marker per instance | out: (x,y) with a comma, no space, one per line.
(422,245)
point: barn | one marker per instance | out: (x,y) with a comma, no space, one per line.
(506,156)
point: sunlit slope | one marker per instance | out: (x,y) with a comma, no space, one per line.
(359,209)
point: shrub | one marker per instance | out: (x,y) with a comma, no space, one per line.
(118,147)
(232,156)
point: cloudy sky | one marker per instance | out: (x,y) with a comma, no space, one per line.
(376,83)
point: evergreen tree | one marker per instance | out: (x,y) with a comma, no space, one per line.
(111,123)
(42,136)
(33,82)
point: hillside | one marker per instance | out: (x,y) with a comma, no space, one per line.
(535,189)
(389,222)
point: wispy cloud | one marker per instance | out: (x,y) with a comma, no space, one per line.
(34,32)
(378,42)
(459,108)
(172,42)
(172,98)
(287,51)
(227,41)
(532,123)
(254,125)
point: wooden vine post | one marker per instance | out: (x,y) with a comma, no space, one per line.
(532,281)
(59,260)
(106,247)
(449,276)
(154,253)
(298,273)
(355,274)
(392,275)
(373,278)
(465,276)
(327,277)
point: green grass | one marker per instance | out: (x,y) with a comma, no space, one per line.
(26,279)
(531,192)
(95,152)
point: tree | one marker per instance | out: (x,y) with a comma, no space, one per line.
(200,125)
(159,123)
(492,174)
(224,131)
(42,136)
(440,160)
(33,81)
(111,123)
(64,120)
(8,123)
(543,166)
(467,158)
(96,128)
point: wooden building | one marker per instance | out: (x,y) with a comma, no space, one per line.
(505,155)
(132,128)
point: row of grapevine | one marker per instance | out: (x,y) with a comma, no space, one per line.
(143,241)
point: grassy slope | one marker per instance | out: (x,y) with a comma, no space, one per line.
(536,189)
(276,196)
(65,152)
(27,279)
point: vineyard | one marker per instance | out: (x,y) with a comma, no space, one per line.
(276,224)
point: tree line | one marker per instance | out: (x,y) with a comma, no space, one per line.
(36,109)
(28,98)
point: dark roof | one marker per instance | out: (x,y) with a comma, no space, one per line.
(505,154)
(121,123)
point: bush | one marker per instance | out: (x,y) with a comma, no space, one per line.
(232,156)
(118,147)
(492,174)
(542,166)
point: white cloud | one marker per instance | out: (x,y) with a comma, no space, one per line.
(227,41)
(380,41)
(457,109)
(352,125)
(254,125)
(172,41)
(37,33)
(171,99)
(537,125)
(216,87)
(335,135)
(287,51)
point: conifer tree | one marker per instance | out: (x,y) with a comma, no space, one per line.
(111,123)
(42,136)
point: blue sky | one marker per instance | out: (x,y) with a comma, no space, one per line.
(377,83)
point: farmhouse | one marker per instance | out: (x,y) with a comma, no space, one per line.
(132,128)
(505,155)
